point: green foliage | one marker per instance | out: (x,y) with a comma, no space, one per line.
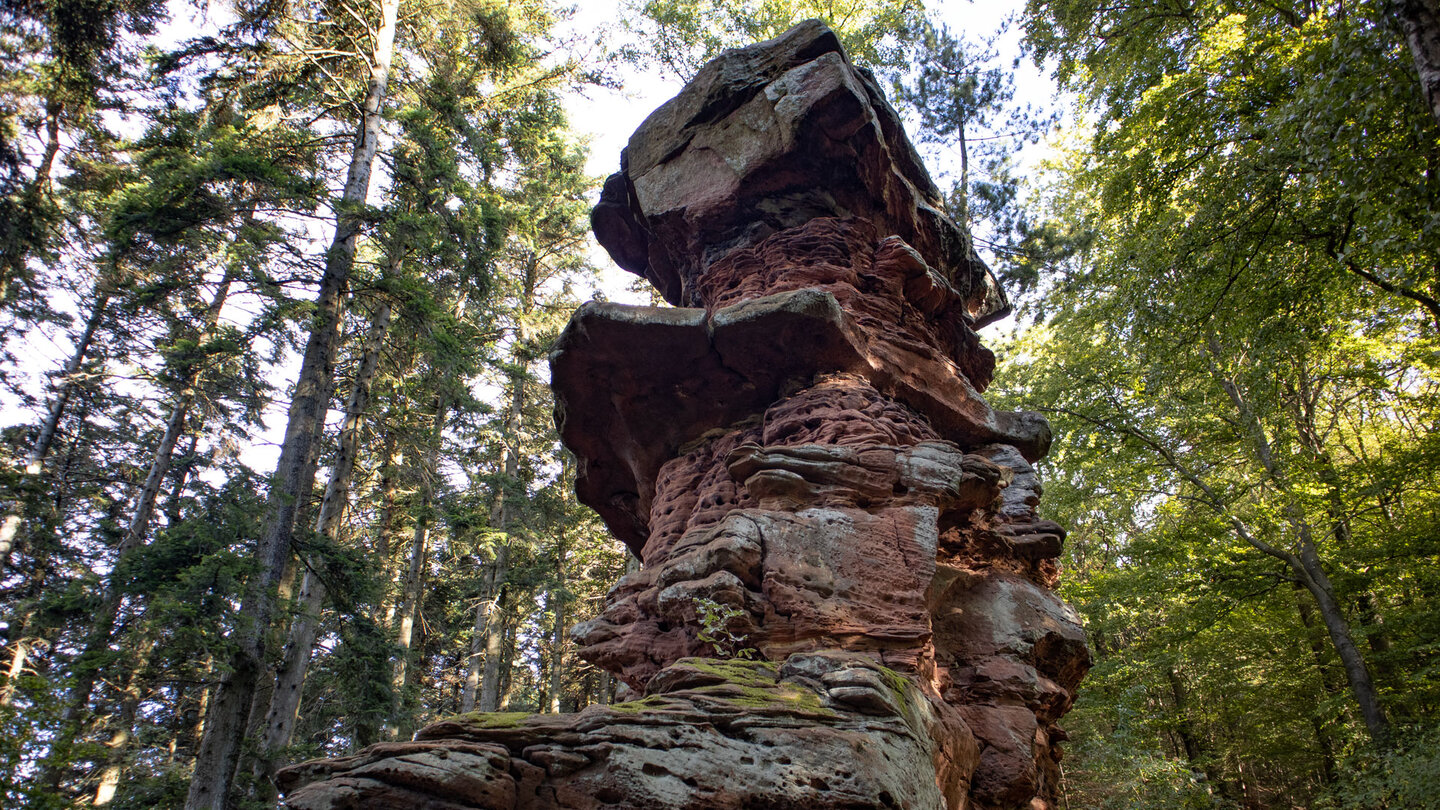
(1237,359)
(681,35)
(717,624)
(1403,778)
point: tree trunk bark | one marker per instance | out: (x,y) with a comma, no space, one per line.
(1362,686)
(295,474)
(557,635)
(289,681)
(1194,750)
(144,509)
(487,612)
(477,646)
(495,633)
(415,575)
(509,642)
(500,569)
(176,498)
(605,691)
(14,258)
(1420,22)
(1305,560)
(387,532)
(35,462)
(102,625)
(1316,646)
(119,741)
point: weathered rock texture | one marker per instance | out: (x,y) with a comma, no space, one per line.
(803,453)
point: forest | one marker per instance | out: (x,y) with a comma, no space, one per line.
(278,281)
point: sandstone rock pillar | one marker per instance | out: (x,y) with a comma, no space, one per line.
(845,592)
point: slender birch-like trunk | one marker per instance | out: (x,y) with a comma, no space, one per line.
(477,649)
(300,644)
(1420,22)
(102,623)
(500,569)
(487,612)
(558,605)
(295,473)
(40,451)
(1305,560)
(409,608)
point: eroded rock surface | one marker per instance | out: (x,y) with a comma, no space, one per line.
(802,448)
(822,730)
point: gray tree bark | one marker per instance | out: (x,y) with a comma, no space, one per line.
(558,605)
(1305,561)
(500,568)
(295,473)
(40,451)
(102,623)
(290,679)
(1420,22)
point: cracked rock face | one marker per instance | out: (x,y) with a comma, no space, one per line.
(802,444)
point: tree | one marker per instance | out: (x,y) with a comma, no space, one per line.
(682,35)
(1231,358)
(1298,124)
(295,471)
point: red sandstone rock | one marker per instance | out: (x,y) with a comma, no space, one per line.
(805,444)
(765,139)
(818,731)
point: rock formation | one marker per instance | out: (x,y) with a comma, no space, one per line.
(845,594)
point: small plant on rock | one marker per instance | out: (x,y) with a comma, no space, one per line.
(715,622)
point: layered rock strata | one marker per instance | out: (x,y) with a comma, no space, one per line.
(845,592)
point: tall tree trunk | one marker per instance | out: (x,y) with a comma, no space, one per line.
(69,381)
(1304,561)
(409,608)
(558,603)
(119,742)
(487,613)
(15,251)
(295,473)
(1420,22)
(1316,646)
(1200,765)
(495,633)
(176,499)
(300,644)
(1362,685)
(144,508)
(477,646)
(387,531)
(102,623)
(499,570)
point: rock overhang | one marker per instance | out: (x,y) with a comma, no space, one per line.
(633,384)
